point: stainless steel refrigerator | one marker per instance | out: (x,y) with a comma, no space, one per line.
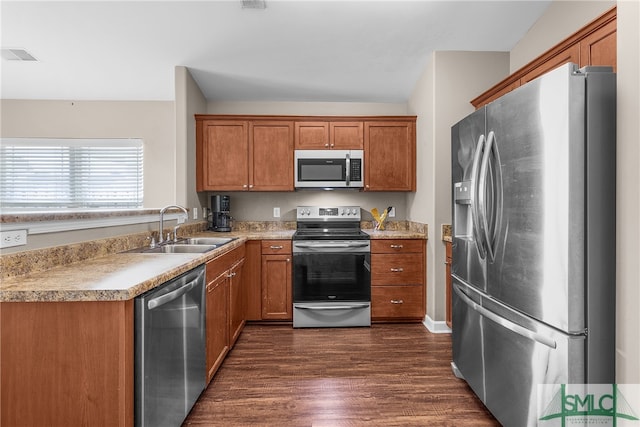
(533,272)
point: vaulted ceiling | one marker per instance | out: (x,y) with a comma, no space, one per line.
(351,51)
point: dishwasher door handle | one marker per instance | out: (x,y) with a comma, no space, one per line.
(332,307)
(173,295)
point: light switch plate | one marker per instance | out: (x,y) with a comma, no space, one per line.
(392,213)
(276,212)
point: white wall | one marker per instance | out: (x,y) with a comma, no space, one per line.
(152,121)
(440,99)
(628,196)
(308,108)
(189,101)
(561,19)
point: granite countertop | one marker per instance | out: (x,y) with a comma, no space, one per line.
(125,275)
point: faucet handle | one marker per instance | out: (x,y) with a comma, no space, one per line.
(175,233)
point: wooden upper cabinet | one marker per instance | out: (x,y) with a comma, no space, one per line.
(594,44)
(312,135)
(243,155)
(221,155)
(271,156)
(346,135)
(390,156)
(600,47)
(324,135)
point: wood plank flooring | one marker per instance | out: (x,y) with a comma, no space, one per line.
(386,375)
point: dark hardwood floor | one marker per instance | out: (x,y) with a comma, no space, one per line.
(386,375)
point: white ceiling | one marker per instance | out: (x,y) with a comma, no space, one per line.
(339,51)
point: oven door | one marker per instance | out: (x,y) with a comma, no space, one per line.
(325,272)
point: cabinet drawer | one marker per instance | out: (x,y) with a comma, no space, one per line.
(384,246)
(275,247)
(218,265)
(397,269)
(397,302)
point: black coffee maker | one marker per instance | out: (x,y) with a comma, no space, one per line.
(220,220)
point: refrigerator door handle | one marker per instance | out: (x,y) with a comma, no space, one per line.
(513,327)
(475,170)
(489,241)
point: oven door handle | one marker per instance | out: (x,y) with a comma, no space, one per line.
(331,245)
(331,307)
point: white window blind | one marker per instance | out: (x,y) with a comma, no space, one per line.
(71,173)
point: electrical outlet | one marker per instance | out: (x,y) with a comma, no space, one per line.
(195,213)
(12,238)
(392,213)
(276,212)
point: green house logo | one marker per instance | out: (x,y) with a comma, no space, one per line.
(588,404)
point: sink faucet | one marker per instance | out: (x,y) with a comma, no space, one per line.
(162,211)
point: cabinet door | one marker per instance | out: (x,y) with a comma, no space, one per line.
(311,135)
(252,275)
(224,156)
(276,287)
(599,48)
(236,302)
(271,156)
(390,156)
(346,135)
(217,323)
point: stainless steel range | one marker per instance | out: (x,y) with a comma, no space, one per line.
(331,268)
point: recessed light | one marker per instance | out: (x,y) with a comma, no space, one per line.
(15,54)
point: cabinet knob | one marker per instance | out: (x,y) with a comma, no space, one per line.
(288,259)
(326,145)
(397,301)
(397,270)
(245,186)
(333,145)
(250,185)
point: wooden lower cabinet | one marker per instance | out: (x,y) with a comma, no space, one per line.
(276,280)
(236,301)
(67,363)
(217,329)
(225,313)
(398,277)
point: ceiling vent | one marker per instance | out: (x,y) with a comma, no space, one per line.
(253,4)
(16,55)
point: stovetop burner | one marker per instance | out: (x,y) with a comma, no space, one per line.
(329,223)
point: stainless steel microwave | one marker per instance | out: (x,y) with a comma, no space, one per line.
(329,169)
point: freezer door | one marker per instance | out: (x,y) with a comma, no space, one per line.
(519,354)
(467,339)
(538,261)
(467,140)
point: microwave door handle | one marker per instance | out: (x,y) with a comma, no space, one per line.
(348,166)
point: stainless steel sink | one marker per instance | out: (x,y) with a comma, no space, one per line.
(184,249)
(218,241)
(175,249)
(191,245)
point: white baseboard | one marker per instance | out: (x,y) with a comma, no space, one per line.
(436,327)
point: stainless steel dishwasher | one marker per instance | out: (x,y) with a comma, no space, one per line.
(170,350)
